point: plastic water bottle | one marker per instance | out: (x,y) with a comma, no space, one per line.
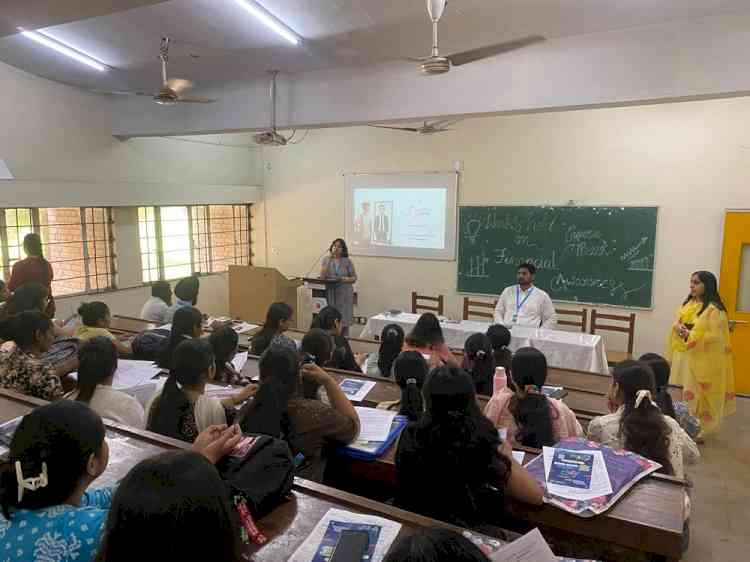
(500,381)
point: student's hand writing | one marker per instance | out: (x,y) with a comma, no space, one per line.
(248,392)
(314,372)
(216,441)
(360,358)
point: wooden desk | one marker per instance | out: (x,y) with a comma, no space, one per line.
(286,527)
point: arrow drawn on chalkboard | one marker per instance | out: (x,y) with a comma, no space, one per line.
(626,294)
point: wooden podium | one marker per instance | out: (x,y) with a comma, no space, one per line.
(253,289)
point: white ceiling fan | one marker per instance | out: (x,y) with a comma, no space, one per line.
(427,128)
(172,89)
(272,137)
(436,63)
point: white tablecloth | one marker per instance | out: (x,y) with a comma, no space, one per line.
(569,350)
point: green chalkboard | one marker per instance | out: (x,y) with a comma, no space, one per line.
(601,255)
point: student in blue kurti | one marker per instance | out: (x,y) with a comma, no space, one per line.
(57,451)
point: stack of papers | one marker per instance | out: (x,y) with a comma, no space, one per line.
(356,389)
(529,548)
(239,361)
(374,424)
(576,475)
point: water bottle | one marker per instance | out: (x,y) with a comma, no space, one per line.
(500,381)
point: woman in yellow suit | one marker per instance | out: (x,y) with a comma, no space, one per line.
(700,353)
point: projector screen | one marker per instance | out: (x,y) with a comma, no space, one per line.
(402,215)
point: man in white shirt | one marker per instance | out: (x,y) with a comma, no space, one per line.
(155,309)
(525,304)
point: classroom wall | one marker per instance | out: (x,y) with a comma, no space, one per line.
(692,159)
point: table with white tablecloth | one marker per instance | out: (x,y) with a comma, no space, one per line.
(569,350)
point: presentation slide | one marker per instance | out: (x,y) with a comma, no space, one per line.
(402,215)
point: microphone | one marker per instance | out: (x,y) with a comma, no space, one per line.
(320,257)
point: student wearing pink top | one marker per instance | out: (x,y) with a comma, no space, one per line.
(532,419)
(427,338)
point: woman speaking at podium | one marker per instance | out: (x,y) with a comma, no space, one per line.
(338,267)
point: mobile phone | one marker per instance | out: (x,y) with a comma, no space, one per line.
(351,546)
(308,358)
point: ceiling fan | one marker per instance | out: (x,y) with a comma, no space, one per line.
(272,137)
(427,128)
(171,91)
(436,63)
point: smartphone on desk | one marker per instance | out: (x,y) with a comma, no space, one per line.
(351,546)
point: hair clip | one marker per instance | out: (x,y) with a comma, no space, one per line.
(411,381)
(481,353)
(640,395)
(32,484)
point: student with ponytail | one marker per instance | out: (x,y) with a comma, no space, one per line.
(479,362)
(531,418)
(638,424)
(182,410)
(97,363)
(21,367)
(96,319)
(330,320)
(187,323)
(500,338)
(278,321)
(316,347)
(410,371)
(309,426)
(380,364)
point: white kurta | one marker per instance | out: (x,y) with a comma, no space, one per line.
(532,308)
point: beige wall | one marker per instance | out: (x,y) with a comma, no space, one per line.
(691,159)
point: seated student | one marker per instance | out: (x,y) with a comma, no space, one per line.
(450,465)
(427,338)
(435,545)
(329,319)
(380,364)
(155,308)
(224,342)
(677,410)
(410,371)
(278,321)
(164,502)
(187,323)
(181,409)
(186,292)
(57,451)
(316,347)
(309,426)
(638,425)
(97,360)
(500,338)
(34,296)
(96,319)
(532,419)
(21,368)
(479,362)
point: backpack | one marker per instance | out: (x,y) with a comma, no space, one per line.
(147,345)
(261,471)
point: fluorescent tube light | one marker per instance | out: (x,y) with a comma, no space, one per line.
(269,20)
(63,49)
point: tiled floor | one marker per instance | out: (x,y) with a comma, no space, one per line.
(720,522)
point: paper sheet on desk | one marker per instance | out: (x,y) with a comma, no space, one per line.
(564,466)
(167,327)
(239,361)
(374,424)
(529,548)
(356,389)
(131,373)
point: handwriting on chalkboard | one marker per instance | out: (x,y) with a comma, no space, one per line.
(569,283)
(633,251)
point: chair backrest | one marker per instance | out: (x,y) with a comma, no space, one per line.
(579,318)
(629,329)
(417,305)
(470,307)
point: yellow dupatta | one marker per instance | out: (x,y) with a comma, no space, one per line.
(686,314)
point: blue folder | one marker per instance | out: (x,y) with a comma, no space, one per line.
(371,450)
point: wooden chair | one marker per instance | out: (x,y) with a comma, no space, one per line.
(489,307)
(615,357)
(580,315)
(417,305)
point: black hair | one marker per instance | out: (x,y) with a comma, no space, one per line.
(710,293)
(478,350)
(32,244)
(391,342)
(410,371)
(62,435)
(192,360)
(530,267)
(643,429)
(426,332)
(279,382)
(530,409)
(187,289)
(319,344)
(435,545)
(22,328)
(326,318)
(661,369)
(163,500)
(277,312)
(29,296)
(184,323)
(162,290)
(92,312)
(500,338)
(97,361)
(224,342)
(344,247)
